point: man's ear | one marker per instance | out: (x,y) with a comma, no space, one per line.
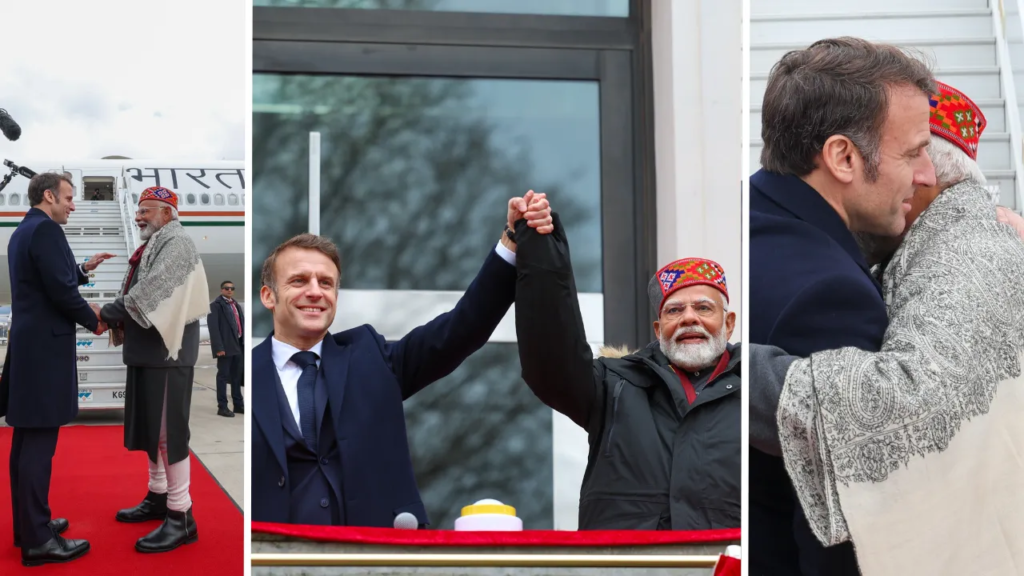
(657,330)
(840,157)
(268,298)
(730,325)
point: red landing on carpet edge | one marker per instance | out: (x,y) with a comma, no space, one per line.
(94,477)
(524,538)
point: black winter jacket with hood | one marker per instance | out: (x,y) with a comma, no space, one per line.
(656,462)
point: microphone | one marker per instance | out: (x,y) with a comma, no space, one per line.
(406,521)
(15,169)
(8,126)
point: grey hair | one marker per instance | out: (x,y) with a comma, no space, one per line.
(174,213)
(952,165)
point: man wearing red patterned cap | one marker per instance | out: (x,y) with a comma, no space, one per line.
(663,421)
(156,318)
(876,442)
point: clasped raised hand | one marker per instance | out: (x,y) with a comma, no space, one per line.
(534,208)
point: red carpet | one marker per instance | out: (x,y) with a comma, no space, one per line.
(93,478)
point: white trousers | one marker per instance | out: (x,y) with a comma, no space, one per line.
(173,479)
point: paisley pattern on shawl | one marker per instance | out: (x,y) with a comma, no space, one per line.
(171,291)
(955,297)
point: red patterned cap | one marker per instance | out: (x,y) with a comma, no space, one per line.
(160,194)
(683,273)
(957,119)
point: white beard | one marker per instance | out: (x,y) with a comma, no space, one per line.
(693,357)
(146,233)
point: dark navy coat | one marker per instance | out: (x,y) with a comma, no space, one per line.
(39,385)
(810,290)
(368,378)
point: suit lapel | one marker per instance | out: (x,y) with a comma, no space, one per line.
(335,370)
(266,409)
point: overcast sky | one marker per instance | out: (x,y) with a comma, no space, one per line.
(144,79)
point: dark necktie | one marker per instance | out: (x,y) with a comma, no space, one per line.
(307,419)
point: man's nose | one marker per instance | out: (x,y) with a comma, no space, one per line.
(690,317)
(315,292)
(925,174)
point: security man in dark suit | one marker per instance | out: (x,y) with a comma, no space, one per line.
(329,445)
(39,385)
(226,324)
(845,126)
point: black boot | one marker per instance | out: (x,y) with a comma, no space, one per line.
(153,507)
(178,528)
(55,551)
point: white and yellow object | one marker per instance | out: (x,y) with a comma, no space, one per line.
(489,515)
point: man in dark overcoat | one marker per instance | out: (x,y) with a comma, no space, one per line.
(39,384)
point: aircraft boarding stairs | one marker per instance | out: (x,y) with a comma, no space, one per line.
(97,226)
(964,39)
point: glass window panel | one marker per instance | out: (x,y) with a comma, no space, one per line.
(616,8)
(416,173)
(481,433)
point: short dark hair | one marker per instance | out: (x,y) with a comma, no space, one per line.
(46,181)
(835,86)
(225,282)
(306,241)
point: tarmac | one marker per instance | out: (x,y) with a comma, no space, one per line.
(217,441)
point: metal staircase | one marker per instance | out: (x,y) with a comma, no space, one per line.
(99,226)
(962,38)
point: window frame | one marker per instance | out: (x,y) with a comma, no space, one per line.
(613,51)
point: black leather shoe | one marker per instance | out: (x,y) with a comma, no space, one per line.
(57,526)
(55,551)
(239,410)
(225,412)
(152,507)
(178,528)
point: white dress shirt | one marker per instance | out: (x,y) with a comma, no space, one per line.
(289,372)
(506,254)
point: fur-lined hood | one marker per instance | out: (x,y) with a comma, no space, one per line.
(615,351)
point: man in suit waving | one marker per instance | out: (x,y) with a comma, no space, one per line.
(329,445)
(39,386)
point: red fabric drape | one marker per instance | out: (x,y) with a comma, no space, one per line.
(562,538)
(727,566)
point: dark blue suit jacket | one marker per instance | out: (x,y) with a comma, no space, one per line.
(368,379)
(810,290)
(39,385)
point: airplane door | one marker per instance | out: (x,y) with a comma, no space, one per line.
(76,179)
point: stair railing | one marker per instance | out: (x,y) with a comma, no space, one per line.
(131,231)
(1006,80)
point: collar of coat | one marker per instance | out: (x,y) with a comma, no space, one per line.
(653,352)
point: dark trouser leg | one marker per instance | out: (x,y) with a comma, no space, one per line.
(236,381)
(35,465)
(223,377)
(16,442)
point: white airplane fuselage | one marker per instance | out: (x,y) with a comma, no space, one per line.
(211,206)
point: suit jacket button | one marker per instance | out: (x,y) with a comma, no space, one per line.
(323,461)
(324,503)
(280,483)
